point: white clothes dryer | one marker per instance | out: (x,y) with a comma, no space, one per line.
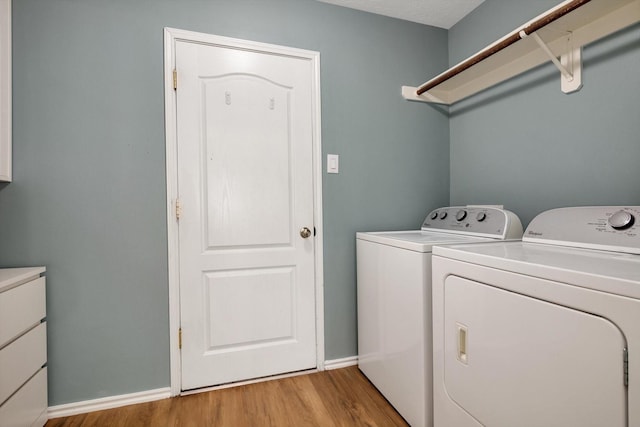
(394,300)
(543,332)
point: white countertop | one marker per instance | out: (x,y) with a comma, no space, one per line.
(10,277)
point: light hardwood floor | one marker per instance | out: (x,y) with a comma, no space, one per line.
(341,397)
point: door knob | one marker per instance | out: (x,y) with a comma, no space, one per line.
(305,232)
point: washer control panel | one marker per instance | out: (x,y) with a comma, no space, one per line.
(487,221)
(614,228)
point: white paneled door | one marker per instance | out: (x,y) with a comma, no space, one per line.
(246,227)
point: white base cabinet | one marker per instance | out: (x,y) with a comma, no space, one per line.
(23,347)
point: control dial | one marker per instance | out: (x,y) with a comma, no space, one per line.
(481,216)
(621,220)
(461,214)
(434,214)
(443,214)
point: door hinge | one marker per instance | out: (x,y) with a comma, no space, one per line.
(180,338)
(625,364)
(175,79)
(178,209)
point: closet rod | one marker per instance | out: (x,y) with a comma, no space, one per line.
(508,41)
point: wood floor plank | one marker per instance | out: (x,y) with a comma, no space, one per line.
(341,397)
(360,403)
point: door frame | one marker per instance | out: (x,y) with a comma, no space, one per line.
(171,36)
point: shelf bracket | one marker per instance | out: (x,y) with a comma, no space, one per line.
(569,64)
(410,93)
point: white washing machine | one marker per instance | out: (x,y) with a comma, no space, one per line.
(543,332)
(394,301)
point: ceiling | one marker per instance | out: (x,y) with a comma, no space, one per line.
(437,13)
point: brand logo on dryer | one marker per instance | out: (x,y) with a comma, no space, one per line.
(533,233)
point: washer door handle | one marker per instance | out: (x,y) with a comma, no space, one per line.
(462,343)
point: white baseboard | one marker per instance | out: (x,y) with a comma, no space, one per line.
(110,402)
(340,363)
(86,406)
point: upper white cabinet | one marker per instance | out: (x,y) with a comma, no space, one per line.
(5,90)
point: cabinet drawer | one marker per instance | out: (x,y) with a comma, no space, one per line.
(21,308)
(28,407)
(21,359)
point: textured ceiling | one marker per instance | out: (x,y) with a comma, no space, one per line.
(438,13)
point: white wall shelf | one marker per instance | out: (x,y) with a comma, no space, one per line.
(559,32)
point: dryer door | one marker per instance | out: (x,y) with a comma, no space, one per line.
(512,360)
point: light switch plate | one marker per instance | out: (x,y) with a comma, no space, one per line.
(333,163)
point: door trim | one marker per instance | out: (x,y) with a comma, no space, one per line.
(171,35)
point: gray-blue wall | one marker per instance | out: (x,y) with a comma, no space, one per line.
(527,145)
(88,197)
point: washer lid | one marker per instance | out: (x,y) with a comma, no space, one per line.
(611,272)
(416,240)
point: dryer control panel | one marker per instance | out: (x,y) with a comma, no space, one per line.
(611,228)
(485,221)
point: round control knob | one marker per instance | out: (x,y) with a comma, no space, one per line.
(443,214)
(621,220)
(434,215)
(461,214)
(481,216)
